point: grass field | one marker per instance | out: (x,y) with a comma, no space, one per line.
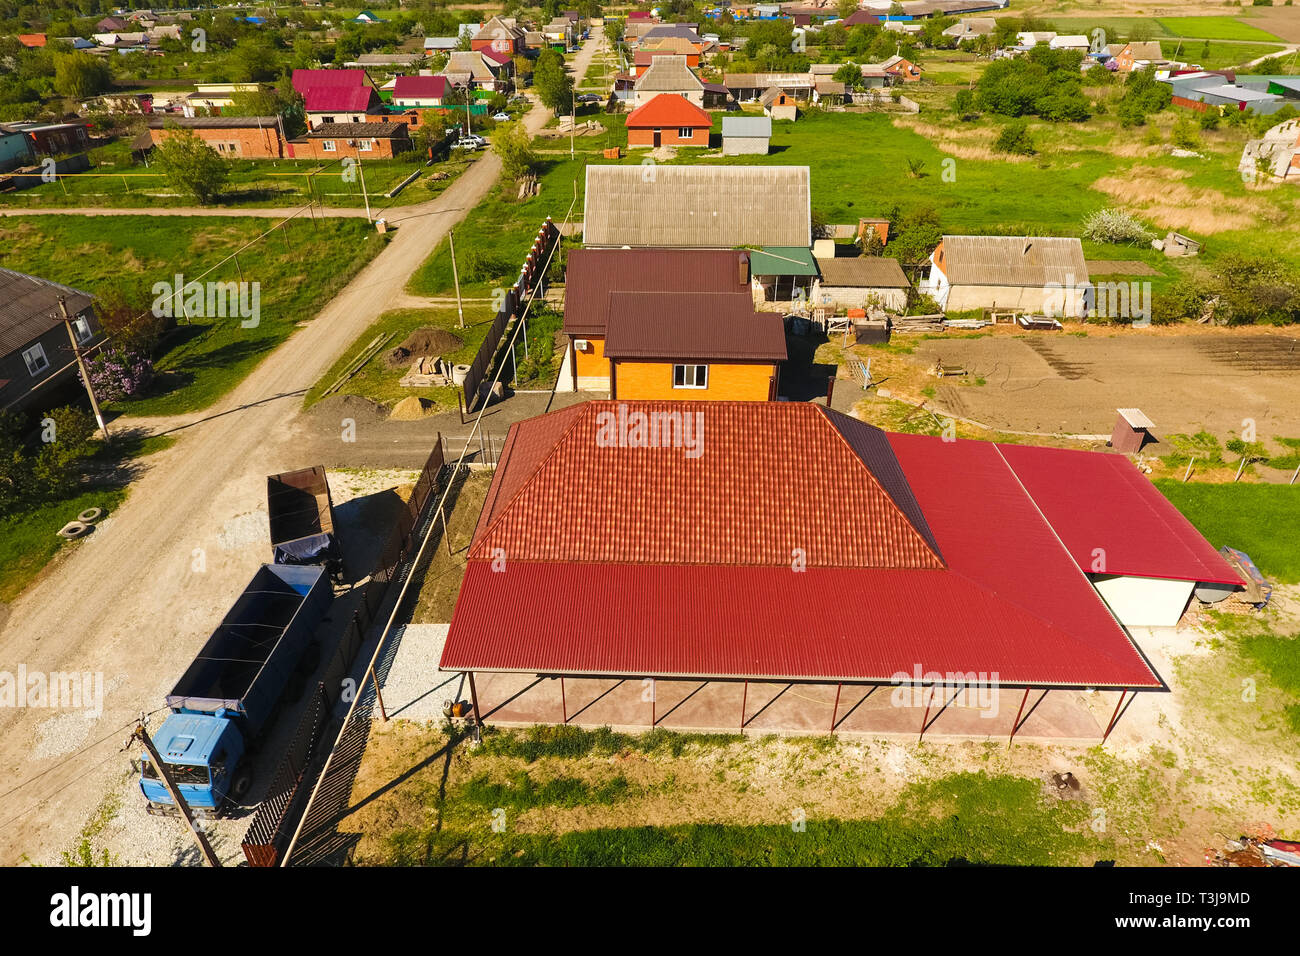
(1199,28)
(1262,520)
(299,267)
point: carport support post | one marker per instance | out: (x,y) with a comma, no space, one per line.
(564,703)
(1016,726)
(744,702)
(473,696)
(926,719)
(654,717)
(836,712)
(1114,717)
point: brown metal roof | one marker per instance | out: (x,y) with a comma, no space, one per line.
(359,130)
(692,326)
(863,272)
(593,274)
(29,307)
(1013,260)
(215,122)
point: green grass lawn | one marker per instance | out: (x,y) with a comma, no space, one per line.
(1216,55)
(962,818)
(1200,28)
(29,538)
(1262,520)
(300,268)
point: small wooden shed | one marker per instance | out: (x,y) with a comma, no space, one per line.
(1132,431)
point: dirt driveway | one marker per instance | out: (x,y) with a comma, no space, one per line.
(1054,382)
(137,599)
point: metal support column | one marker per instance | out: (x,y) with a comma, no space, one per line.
(1016,726)
(1114,717)
(836,712)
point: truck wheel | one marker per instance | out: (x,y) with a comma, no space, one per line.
(242,784)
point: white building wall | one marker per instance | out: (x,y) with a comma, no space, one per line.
(1144,602)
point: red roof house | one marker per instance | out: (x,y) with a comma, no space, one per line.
(339,104)
(420,90)
(32,40)
(668,120)
(303,80)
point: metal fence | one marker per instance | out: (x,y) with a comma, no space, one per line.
(277,816)
(531,275)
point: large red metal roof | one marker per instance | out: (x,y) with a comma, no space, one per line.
(1112,519)
(639,562)
(692,326)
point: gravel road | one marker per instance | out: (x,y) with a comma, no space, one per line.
(138,598)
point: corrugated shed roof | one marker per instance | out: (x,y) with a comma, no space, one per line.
(29,307)
(468,62)
(668,110)
(434,87)
(692,326)
(359,130)
(1014,260)
(697,206)
(303,80)
(655,505)
(1102,503)
(215,122)
(747,126)
(782,261)
(668,74)
(863,272)
(1011,602)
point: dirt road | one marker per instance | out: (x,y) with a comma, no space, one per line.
(137,598)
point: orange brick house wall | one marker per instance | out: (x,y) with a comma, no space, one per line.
(250,143)
(736,382)
(315,149)
(668,136)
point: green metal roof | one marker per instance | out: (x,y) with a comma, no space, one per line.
(782,261)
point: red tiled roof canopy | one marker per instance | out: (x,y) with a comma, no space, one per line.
(638,561)
(669,110)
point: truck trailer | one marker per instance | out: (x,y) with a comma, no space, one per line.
(225,699)
(301,514)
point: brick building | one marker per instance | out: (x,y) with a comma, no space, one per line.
(233,137)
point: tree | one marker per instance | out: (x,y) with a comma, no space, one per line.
(1015,139)
(613,30)
(192,166)
(80,75)
(850,74)
(553,83)
(516,151)
(846,8)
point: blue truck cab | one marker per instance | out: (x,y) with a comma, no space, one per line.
(226,697)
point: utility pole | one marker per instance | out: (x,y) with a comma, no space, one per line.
(81,364)
(205,847)
(460,311)
(364,194)
(573,117)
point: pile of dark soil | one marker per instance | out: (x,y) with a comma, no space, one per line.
(424,341)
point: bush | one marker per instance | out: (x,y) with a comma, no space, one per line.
(118,373)
(1015,139)
(32,474)
(1115,225)
(1185,135)
(483,266)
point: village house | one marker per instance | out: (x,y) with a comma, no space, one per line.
(500,34)
(15,150)
(35,351)
(484,69)
(668,323)
(373,140)
(778,104)
(748,87)
(325,105)
(303,80)
(667,74)
(233,137)
(420,90)
(1137,56)
(214,97)
(668,120)
(1037,274)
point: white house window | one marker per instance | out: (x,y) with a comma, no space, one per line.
(81,328)
(690,376)
(35,359)
(685,132)
(327,119)
(327,145)
(367,145)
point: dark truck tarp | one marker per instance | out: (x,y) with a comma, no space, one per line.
(313,549)
(246,663)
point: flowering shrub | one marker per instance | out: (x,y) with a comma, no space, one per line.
(116,374)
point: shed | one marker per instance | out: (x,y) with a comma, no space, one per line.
(1132,431)
(746,135)
(859,282)
(779,105)
(779,270)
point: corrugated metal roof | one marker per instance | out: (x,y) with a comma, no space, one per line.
(641,562)
(863,272)
(215,122)
(353,130)
(1013,260)
(692,326)
(420,86)
(750,498)
(747,126)
(668,74)
(782,261)
(29,307)
(1111,517)
(303,80)
(592,274)
(319,98)
(697,206)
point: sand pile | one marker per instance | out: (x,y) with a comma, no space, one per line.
(412,409)
(424,341)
